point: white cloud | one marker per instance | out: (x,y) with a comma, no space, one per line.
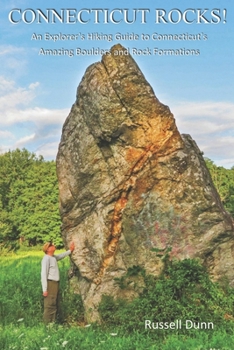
(6,85)
(28,126)
(12,96)
(6,50)
(24,140)
(208,108)
(42,126)
(15,106)
(211,124)
(23,124)
(41,117)
(6,135)
(10,62)
(215,113)
(48,150)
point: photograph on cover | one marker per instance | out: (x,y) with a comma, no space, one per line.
(117,158)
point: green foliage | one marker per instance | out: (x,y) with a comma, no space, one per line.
(20,290)
(74,338)
(183,292)
(125,280)
(29,210)
(21,324)
(71,310)
(224,182)
(21,293)
(163,254)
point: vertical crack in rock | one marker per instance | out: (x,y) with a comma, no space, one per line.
(116,226)
(129,182)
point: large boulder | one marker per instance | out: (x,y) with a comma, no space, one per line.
(130,185)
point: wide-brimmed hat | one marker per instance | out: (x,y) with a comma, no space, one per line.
(46,246)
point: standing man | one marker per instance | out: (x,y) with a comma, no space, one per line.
(50,279)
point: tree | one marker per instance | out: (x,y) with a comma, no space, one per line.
(28,199)
(224,182)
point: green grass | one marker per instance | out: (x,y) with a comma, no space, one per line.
(21,308)
(20,337)
(20,289)
(20,285)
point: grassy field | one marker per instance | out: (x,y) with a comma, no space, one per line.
(21,327)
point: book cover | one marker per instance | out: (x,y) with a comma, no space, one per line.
(185,52)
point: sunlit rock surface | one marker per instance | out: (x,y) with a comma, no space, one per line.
(129,182)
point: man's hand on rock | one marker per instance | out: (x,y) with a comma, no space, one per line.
(72,246)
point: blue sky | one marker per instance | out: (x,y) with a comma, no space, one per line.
(37,91)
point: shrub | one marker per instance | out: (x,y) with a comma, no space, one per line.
(184,291)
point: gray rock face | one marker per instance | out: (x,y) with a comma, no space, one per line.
(129,182)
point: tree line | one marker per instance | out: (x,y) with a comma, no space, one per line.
(223,180)
(29,212)
(29,209)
